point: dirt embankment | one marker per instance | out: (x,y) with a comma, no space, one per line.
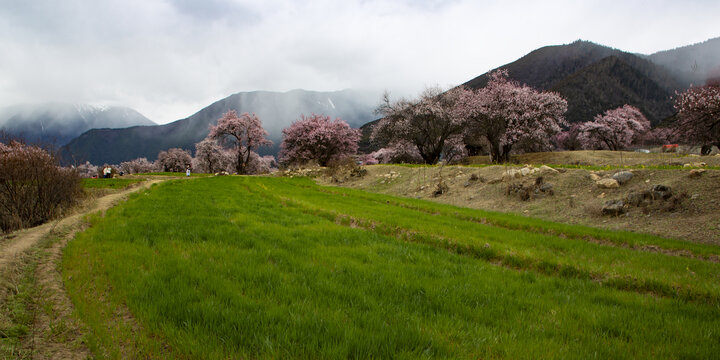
(691,211)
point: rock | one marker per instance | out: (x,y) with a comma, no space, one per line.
(699,164)
(547,188)
(467,184)
(613,207)
(638,198)
(547,169)
(601,196)
(661,192)
(474,177)
(441,188)
(696,172)
(607,184)
(495,181)
(525,171)
(623,176)
(510,174)
(595,177)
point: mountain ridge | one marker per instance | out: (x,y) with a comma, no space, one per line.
(276,111)
(595,78)
(57,123)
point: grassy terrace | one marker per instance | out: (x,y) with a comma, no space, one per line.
(253,267)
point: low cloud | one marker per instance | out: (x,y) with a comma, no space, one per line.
(168,59)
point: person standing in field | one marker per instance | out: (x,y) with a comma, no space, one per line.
(187,171)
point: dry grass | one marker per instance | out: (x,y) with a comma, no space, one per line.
(576,198)
(605,158)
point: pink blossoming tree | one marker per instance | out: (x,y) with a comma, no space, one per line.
(316,137)
(699,115)
(243,133)
(614,130)
(261,164)
(425,123)
(568,139)
(398,152)
(454,151)
(139,165)
(505,113)
(210,157)
(174,160)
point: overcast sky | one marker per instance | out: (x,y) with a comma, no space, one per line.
(170,58)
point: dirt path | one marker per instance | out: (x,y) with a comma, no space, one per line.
(54,334)
(22,240)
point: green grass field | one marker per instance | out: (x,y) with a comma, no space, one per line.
(174,174)
(114,183)
(253,267)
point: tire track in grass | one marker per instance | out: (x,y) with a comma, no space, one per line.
(509,260)
(517,262)
(605,241)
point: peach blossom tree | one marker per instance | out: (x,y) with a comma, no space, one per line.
(616,129)
(699,115)
(316,137)
(210,157)
(174,159)
(243,134)
(506,113)
(426,123)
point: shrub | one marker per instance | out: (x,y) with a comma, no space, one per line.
(33,189)
(340,170)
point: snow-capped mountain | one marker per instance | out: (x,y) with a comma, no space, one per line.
(58,123)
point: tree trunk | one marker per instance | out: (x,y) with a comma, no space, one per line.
(240,166)
(706,149)
(500,154)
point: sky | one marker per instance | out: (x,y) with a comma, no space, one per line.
(170,58)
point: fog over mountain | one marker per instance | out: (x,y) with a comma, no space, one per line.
(692,64)
(58,123)
(275,110)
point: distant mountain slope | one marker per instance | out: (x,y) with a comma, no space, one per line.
(610,83)
(276,111)
(57,123)
(594,78)
(691,63)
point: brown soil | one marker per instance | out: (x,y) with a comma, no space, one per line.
(55,334)
(693,215)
